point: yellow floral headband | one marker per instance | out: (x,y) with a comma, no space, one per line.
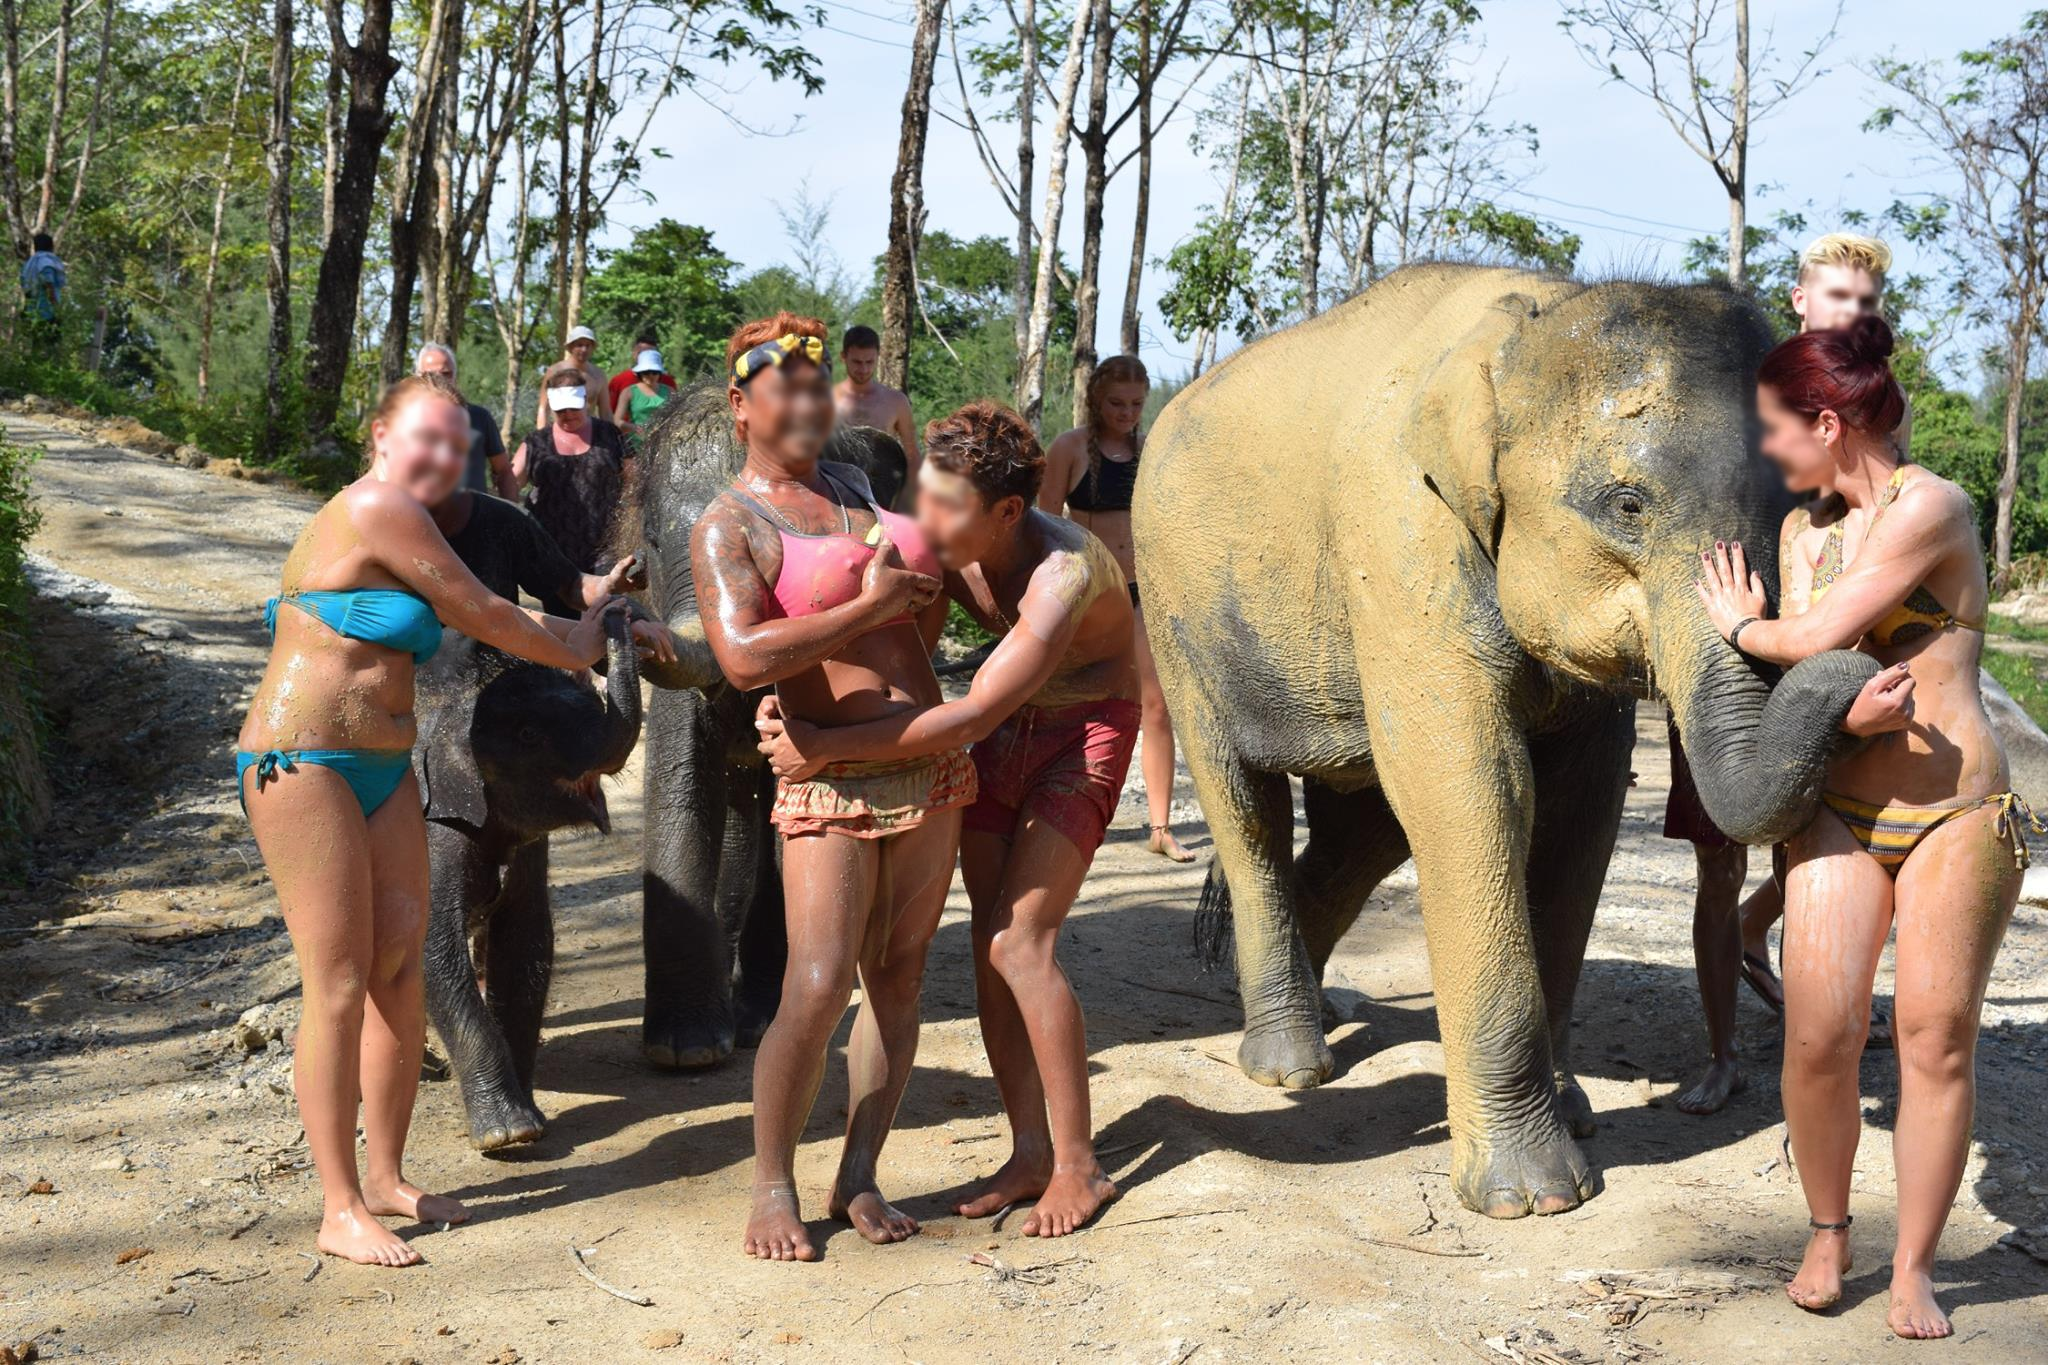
(770,354)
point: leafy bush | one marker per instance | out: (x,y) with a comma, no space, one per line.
(24,789)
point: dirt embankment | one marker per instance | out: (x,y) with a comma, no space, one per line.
(158,1201)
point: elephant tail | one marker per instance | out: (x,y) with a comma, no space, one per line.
(1213,927)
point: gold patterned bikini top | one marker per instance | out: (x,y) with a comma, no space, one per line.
(1918,615)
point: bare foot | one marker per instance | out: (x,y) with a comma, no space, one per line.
(1069,1201)
(403,1199)
(1021,1178)
(872,1216)
(775,1230)
(1166,846)
(1818,1285)
(354,1234)
(1915,1315)
(1723,1078)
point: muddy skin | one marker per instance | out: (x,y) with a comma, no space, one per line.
(711,888)
(510,752)
(1505,488)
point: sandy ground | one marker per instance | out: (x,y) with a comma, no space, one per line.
(156,1204)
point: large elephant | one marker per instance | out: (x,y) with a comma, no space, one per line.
(712,891)
(1423,551)
(508,752)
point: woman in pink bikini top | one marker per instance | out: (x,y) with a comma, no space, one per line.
(805,585)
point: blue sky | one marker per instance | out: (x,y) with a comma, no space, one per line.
(1609,168)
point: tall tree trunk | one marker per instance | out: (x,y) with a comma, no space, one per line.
(92,118)
(10,126)
(408,197)
(1094,184)
(558,282)
(1735,177)
(331,325)
(330,123)
(1027,118)
(277,439)
(439,320)
(220,208)
(906,199)
(2019,342)
(586,165)
(1031,387)
(1134,278)
(60,95)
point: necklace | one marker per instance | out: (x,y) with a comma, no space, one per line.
(845,519)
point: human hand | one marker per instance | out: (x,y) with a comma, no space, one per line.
(890,588)
(585,640)
(654,641)
(785,741)
(1729,590)
(1885,704)
(628,575)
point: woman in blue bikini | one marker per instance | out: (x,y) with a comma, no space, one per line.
(325,772)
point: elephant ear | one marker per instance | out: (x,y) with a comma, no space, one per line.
(443,759)
(1454,427)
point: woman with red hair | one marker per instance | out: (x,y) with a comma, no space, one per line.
(806,586)
(1919,832)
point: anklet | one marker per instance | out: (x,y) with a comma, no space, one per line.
(1842,1226)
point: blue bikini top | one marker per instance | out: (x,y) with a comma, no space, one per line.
(379,616)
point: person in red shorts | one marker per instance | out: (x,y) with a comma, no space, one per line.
(1053,717)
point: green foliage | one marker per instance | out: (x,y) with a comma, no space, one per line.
(1213,282)
(2018,674)
(24,793)
(1524,239)
(672,278)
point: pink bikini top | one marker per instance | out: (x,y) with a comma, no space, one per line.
(820,572)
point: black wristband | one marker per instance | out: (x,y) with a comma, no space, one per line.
(1735,635)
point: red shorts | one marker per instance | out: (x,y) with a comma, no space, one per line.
(1684,815)
(1064,765)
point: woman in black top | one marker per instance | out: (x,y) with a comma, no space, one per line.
(1089,474)
(574,473)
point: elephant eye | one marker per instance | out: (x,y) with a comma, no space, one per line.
(1627,502)
(529,736)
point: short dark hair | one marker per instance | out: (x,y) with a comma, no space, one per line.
(45,242)
(860,337)
(992,448)
(646,340)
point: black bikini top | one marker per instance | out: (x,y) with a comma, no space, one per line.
(1107,485)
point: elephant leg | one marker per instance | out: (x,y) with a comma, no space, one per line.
(1456,770)
(465,882)
(1581,776)
(1354,841)
(761,945)
(1251,817)
(519,963)
(686,1020)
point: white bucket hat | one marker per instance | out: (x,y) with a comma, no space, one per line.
(649,360)
(580,334)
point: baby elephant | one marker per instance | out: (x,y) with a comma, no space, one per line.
(509,752)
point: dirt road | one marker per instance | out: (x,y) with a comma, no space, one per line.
(1255,1224)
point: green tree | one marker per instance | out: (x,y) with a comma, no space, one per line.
(669,277)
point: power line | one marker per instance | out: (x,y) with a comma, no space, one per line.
(1607,213)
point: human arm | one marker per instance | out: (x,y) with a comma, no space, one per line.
(906,432)
(1048,618)
(396,532)
(1059,477)
(1916,534)
(756,647)
(622,409)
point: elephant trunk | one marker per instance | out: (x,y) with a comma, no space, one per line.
(622,692)
(1759,752)
(695,666)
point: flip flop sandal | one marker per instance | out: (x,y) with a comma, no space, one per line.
(1756,970)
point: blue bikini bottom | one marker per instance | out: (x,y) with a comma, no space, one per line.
(372,774)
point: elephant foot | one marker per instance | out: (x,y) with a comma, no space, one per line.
(504,1123)
(1294,1057)
(1573,1106)
(751,1019)
(680,1042)
(1511,1177)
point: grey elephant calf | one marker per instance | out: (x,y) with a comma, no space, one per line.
(1422,551)
(508,753)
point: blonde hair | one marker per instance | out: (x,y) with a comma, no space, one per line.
(1850,249)
(403,392)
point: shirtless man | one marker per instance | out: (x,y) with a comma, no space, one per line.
(1053,717)
(860,402)
(1841,277)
